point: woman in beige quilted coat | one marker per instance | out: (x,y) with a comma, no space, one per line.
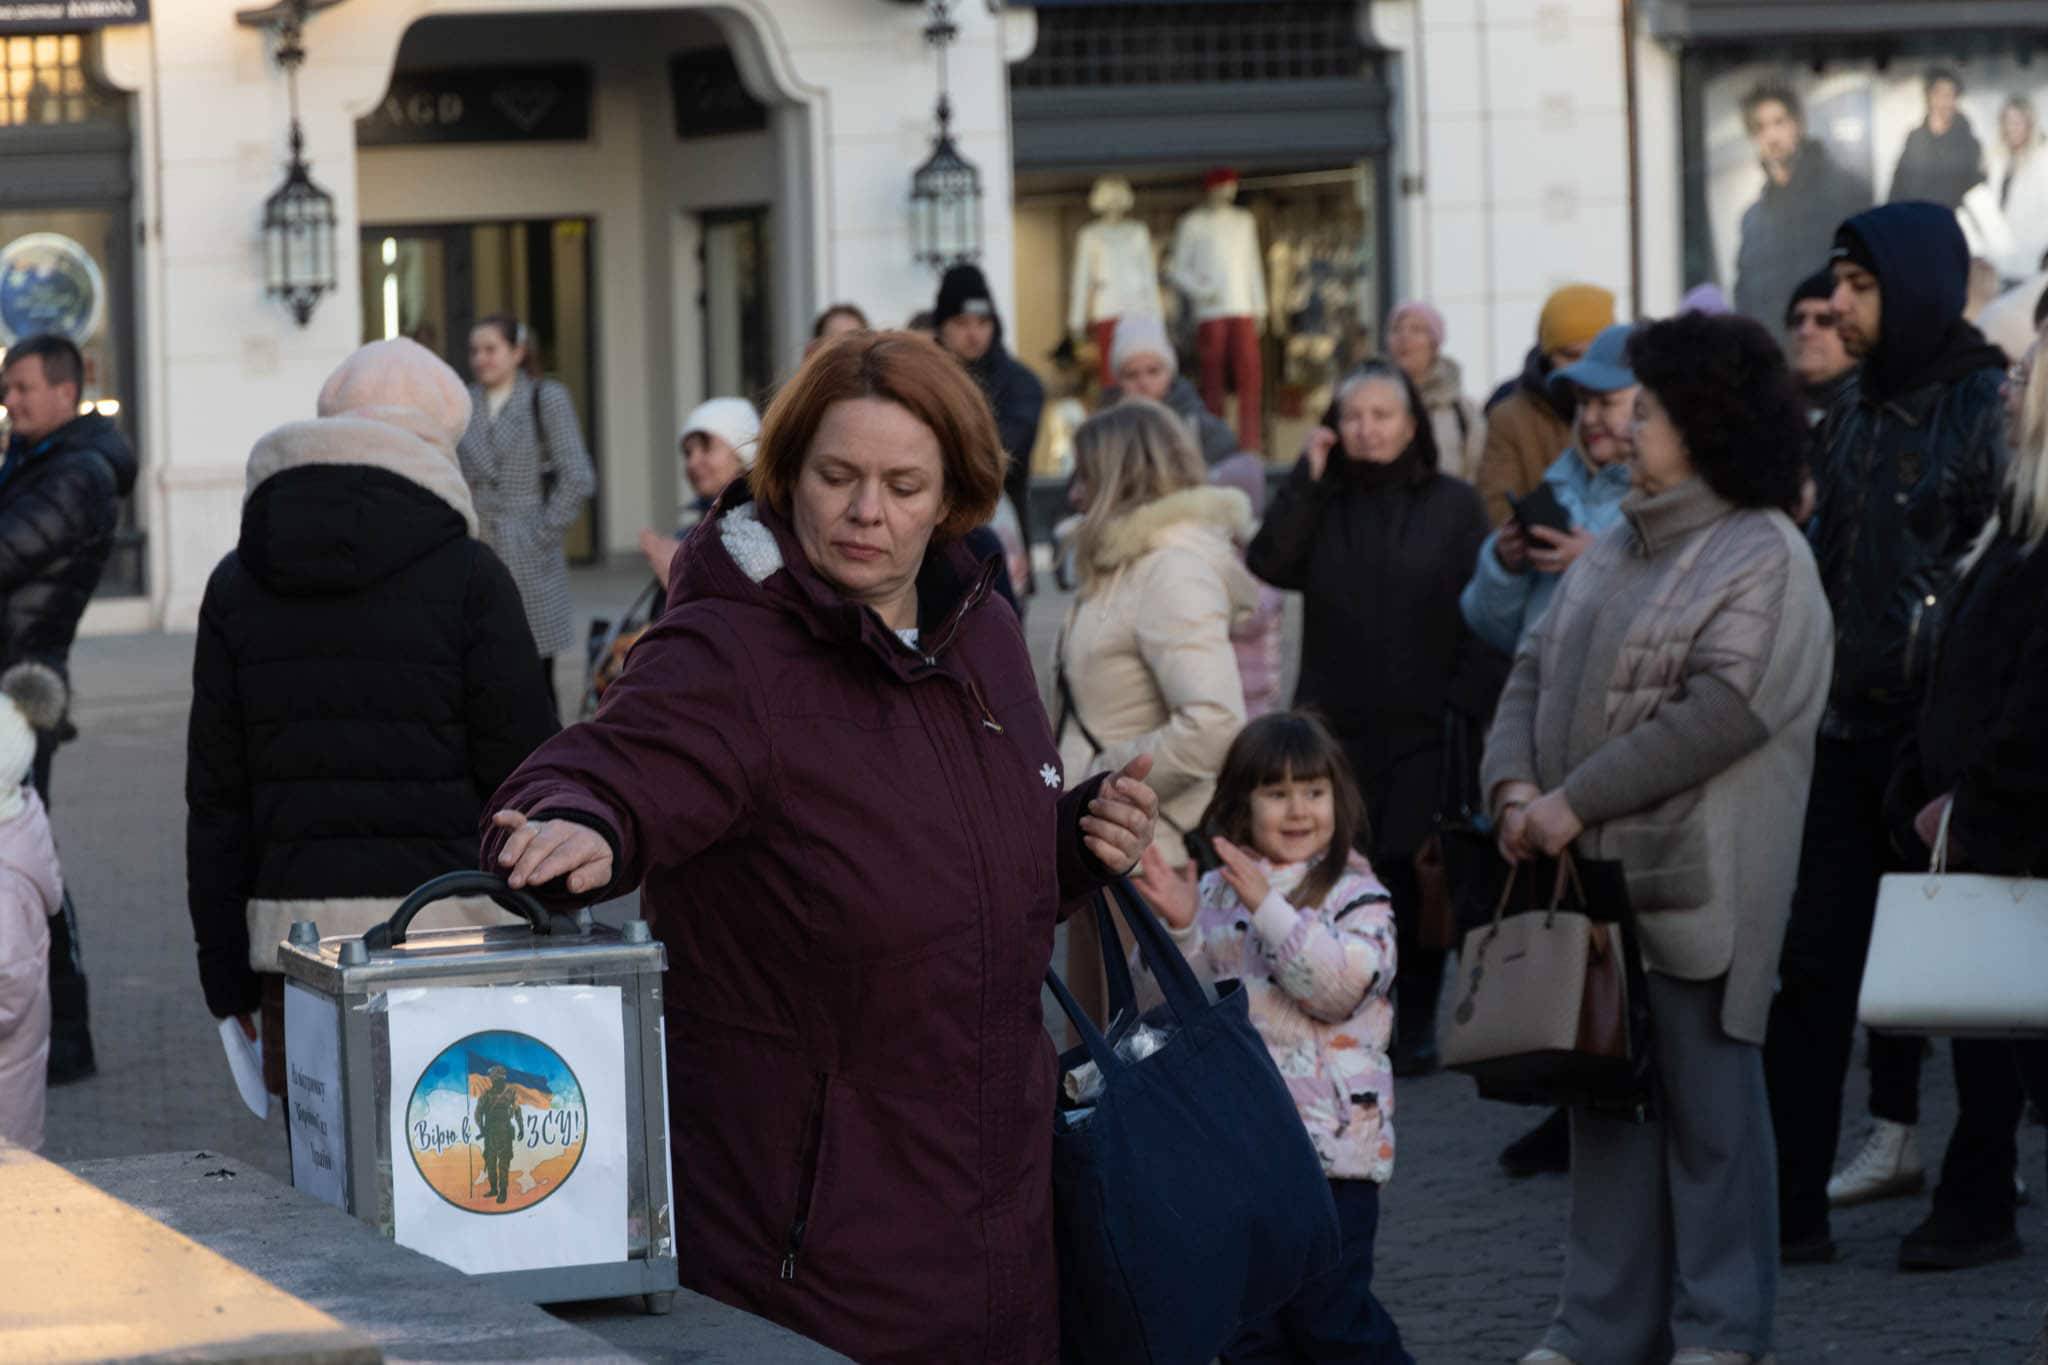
(1663,715)
(1145,662)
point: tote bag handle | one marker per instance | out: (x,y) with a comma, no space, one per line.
(1185,995)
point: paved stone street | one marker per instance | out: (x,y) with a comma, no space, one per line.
(1468,1260)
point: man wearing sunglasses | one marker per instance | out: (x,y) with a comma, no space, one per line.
(1814,346)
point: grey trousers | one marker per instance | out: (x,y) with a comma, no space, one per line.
(1674,1223)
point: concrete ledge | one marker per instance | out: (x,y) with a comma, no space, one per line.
(411,1305)
(89,1278)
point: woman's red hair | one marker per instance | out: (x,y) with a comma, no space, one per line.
(897,367)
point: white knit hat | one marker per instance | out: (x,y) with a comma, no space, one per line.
(732,420)
(1140,334)
(32,698)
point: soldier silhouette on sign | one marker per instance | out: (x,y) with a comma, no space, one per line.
(497,1114)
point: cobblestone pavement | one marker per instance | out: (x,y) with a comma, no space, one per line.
(1468,1259)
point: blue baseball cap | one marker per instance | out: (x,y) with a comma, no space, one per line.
(1605,367)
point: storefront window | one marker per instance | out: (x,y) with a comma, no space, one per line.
(1780,153)
(43,80)
(66,236)
(432,283)
(1318,234)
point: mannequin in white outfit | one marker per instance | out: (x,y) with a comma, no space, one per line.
(1115,270)
(1216,259)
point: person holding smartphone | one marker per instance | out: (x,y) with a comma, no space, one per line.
(1580,497)
(1522,562)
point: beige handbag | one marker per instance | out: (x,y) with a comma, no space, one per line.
(1957,954)
(1545,1011)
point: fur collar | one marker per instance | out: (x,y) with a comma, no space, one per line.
(750,543)
(400,440)
(1137,534)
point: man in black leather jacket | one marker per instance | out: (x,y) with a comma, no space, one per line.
(1908,465)
(61,486)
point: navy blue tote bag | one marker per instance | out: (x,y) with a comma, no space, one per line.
(1187,1198)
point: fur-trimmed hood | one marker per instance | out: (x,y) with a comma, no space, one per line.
(392,405)
(398,440)
(1190,517)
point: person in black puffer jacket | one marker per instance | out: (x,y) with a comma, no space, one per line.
(1907,466)
(61,487)
(1380,543)
(1980,755)
(364,677)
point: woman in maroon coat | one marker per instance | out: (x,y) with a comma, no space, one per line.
(829,765)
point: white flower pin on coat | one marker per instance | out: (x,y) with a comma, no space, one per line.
(1049,775)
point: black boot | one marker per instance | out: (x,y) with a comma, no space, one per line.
(1951,1240)
(1543,1150)
(71,1056)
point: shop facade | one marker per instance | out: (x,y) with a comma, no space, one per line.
(1123,118)
(667,192)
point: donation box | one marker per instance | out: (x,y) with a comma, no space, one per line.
(492,1097)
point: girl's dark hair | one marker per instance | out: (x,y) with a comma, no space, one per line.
(516,335)
(1729,392)
(1289,746)
(1423,446)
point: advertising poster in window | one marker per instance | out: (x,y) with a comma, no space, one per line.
(1790,152)
(508,1119)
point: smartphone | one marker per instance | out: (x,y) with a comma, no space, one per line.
(1541,508)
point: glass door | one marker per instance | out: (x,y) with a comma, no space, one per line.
(736,305)
(433,283)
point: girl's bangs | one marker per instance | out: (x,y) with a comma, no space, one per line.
(1288,751)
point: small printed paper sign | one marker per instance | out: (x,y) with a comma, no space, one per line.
(508,1115)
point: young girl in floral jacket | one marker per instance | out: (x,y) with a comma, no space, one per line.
(1297,915)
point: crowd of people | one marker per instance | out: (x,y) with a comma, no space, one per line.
(1753,613)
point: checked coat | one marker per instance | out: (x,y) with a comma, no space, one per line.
(502,458)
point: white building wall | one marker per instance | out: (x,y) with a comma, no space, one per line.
(1513,165)
(853,84)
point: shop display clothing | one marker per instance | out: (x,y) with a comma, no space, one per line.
(1115,273)
(1229,353)
(1785,234)
(1216,259)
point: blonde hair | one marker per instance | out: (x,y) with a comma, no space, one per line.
(2023,513)
(1132,454)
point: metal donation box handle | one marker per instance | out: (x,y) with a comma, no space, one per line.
(392,933)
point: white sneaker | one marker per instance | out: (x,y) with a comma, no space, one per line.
(1887,1166)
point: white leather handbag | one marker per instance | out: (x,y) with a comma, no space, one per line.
(1957,954)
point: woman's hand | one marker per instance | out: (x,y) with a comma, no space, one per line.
(1243,874)
(1511,806)
(1118,825)
(1927,824)
(541,850)
(1511,546)
(1554,551)
(1169,891)
(660,551)
(1321,442)
(1552,824)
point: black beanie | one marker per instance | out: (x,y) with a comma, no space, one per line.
(963,289)
(1819,285)
(1850,247)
